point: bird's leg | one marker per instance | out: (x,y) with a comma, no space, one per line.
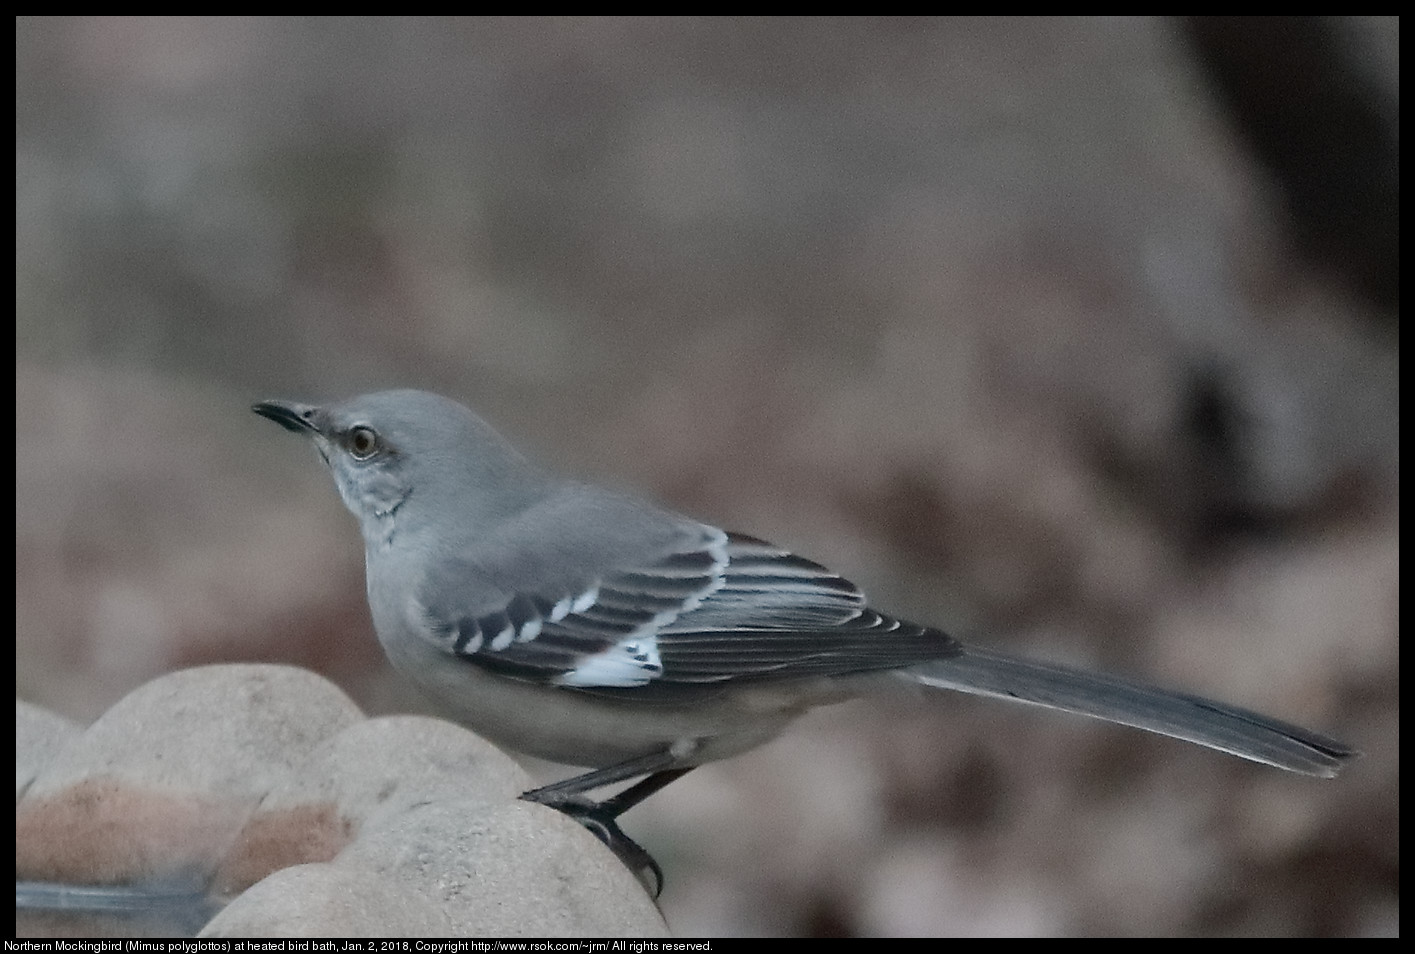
(573,789)
(641,790)
(601,818)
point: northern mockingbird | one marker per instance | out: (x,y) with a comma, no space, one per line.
(590,628)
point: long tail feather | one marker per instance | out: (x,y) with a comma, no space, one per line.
(1227,728)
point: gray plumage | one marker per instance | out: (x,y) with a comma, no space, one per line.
(595,629)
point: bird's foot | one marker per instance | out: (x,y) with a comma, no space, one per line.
(600,819)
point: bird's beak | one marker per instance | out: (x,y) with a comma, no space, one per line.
(289,415)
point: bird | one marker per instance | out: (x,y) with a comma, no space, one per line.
(592,628)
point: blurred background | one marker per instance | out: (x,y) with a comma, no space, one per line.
(1076,337)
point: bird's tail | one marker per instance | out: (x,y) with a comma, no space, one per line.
(1227,728)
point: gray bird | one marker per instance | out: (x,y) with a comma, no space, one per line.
(591,628)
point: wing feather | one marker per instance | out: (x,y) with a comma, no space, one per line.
(718,608)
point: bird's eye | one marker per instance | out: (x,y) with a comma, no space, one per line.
(362,442)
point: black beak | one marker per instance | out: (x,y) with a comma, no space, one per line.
(289,415)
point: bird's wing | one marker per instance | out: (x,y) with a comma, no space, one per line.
(713,608)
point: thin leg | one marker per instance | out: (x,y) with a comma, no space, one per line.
(639,791)
(571,789)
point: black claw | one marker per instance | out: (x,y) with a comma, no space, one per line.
(599,819)
(635,857)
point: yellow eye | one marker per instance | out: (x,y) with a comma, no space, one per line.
(362,442)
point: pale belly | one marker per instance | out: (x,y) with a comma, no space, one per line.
(579,728)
